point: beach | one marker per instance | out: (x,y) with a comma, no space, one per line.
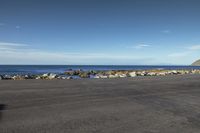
(160,104)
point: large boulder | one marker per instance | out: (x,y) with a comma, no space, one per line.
(196,63)
(122,75)
(132,74)
(52,76)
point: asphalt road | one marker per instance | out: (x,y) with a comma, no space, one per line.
(168,104)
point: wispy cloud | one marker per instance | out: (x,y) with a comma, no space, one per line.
(179,54)
(13,44)
(17,53)
(187,51)
(5,46)
(194,47)
(140,46)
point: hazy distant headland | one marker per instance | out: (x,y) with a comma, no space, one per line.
(196,63)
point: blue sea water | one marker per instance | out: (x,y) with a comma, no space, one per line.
(39,69)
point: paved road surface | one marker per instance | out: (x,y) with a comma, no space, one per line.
(168,104)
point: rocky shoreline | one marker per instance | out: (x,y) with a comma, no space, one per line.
(74,74)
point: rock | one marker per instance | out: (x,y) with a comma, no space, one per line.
(174,72)
(70,77)
(49,76)
(1,77)
(113,76)
(102,73)
(28,77)
(96,77)
(103,76)
(195,71)
(62,77)
(151,74)
(38,77)
(122,75)
(75,72)
(52,76)
(84,75)
(161,74)
(71,73)
(111,72)
(45,75)
(7,77)
(18,77)
(132,74)
(93,72)
(143,73)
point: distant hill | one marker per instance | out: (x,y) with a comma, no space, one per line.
(196,63)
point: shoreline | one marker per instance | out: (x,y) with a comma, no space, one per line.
(103,74)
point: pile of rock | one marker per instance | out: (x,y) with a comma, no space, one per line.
(100,74)
(47,76)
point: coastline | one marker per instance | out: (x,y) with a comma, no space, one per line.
(80,74)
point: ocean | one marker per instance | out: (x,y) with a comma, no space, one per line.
(59,69)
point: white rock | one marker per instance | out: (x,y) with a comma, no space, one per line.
(14,77)
(38,77)
(96,77)
(52,76)
(132,74)
(122,76)
(143,73)
(161,74)
(151,74)
(45,75)
(113,76)
(103,76)
(174,72)
(69,77)
(63,77)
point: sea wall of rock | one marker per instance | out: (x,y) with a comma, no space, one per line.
(74,74)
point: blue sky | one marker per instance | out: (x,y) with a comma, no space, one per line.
(100,32)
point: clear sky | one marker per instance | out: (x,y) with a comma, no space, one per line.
(100,32)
